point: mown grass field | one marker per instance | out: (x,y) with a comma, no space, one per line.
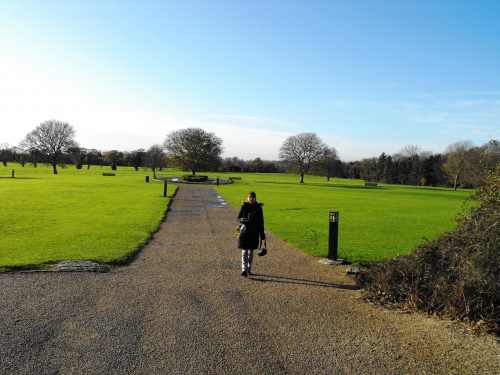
(76,214)
(80,214)
(375,223)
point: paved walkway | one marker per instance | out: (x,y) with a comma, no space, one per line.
(182,307)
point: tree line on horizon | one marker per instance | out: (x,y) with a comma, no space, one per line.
(461,165)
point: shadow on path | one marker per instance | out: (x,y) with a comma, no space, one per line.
(291,280)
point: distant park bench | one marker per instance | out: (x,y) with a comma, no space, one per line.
(370,183)
(108,174)
(235,178)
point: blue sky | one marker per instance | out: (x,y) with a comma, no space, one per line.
(366,76)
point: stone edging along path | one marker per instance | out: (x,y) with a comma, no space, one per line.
(182,307)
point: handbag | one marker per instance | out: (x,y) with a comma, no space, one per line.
(263,249)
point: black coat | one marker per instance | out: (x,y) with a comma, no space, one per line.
(254,228)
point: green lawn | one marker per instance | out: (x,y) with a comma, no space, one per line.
(374,222)
(77,214)
(80,214)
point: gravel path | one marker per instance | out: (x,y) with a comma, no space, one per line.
(182,307)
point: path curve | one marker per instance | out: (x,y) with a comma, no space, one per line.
(182,307)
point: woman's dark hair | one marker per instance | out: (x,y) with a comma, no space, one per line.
(252,194)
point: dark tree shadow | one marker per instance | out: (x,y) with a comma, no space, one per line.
(291,280)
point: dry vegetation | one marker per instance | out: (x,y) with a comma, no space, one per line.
(456,276)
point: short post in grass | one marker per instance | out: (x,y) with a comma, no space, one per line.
(12,173)
(147,178)
(333,239)
(165,188)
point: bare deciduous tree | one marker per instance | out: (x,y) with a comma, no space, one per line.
(300,152)
(456,163)
(329,164)
(410,151)
(155,158)
(51,140)
(368,169)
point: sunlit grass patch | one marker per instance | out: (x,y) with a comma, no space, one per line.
(81,214)
(47,218)
(374,222)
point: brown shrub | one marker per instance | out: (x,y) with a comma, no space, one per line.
(456,275)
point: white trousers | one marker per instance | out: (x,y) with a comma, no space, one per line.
(246,260)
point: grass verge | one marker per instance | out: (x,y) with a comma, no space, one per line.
(74,215)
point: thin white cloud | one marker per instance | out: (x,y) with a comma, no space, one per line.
(254,119)
(455,93)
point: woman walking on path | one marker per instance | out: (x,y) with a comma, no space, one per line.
(252,218)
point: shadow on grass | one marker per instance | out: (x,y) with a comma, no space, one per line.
(291,280)
(19,178)
(324,185)
(361,187)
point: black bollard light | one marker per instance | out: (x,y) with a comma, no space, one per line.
(147,178)
(165,188)
(333,239)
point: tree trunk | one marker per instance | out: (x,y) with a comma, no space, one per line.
(301,178)
(54,165)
